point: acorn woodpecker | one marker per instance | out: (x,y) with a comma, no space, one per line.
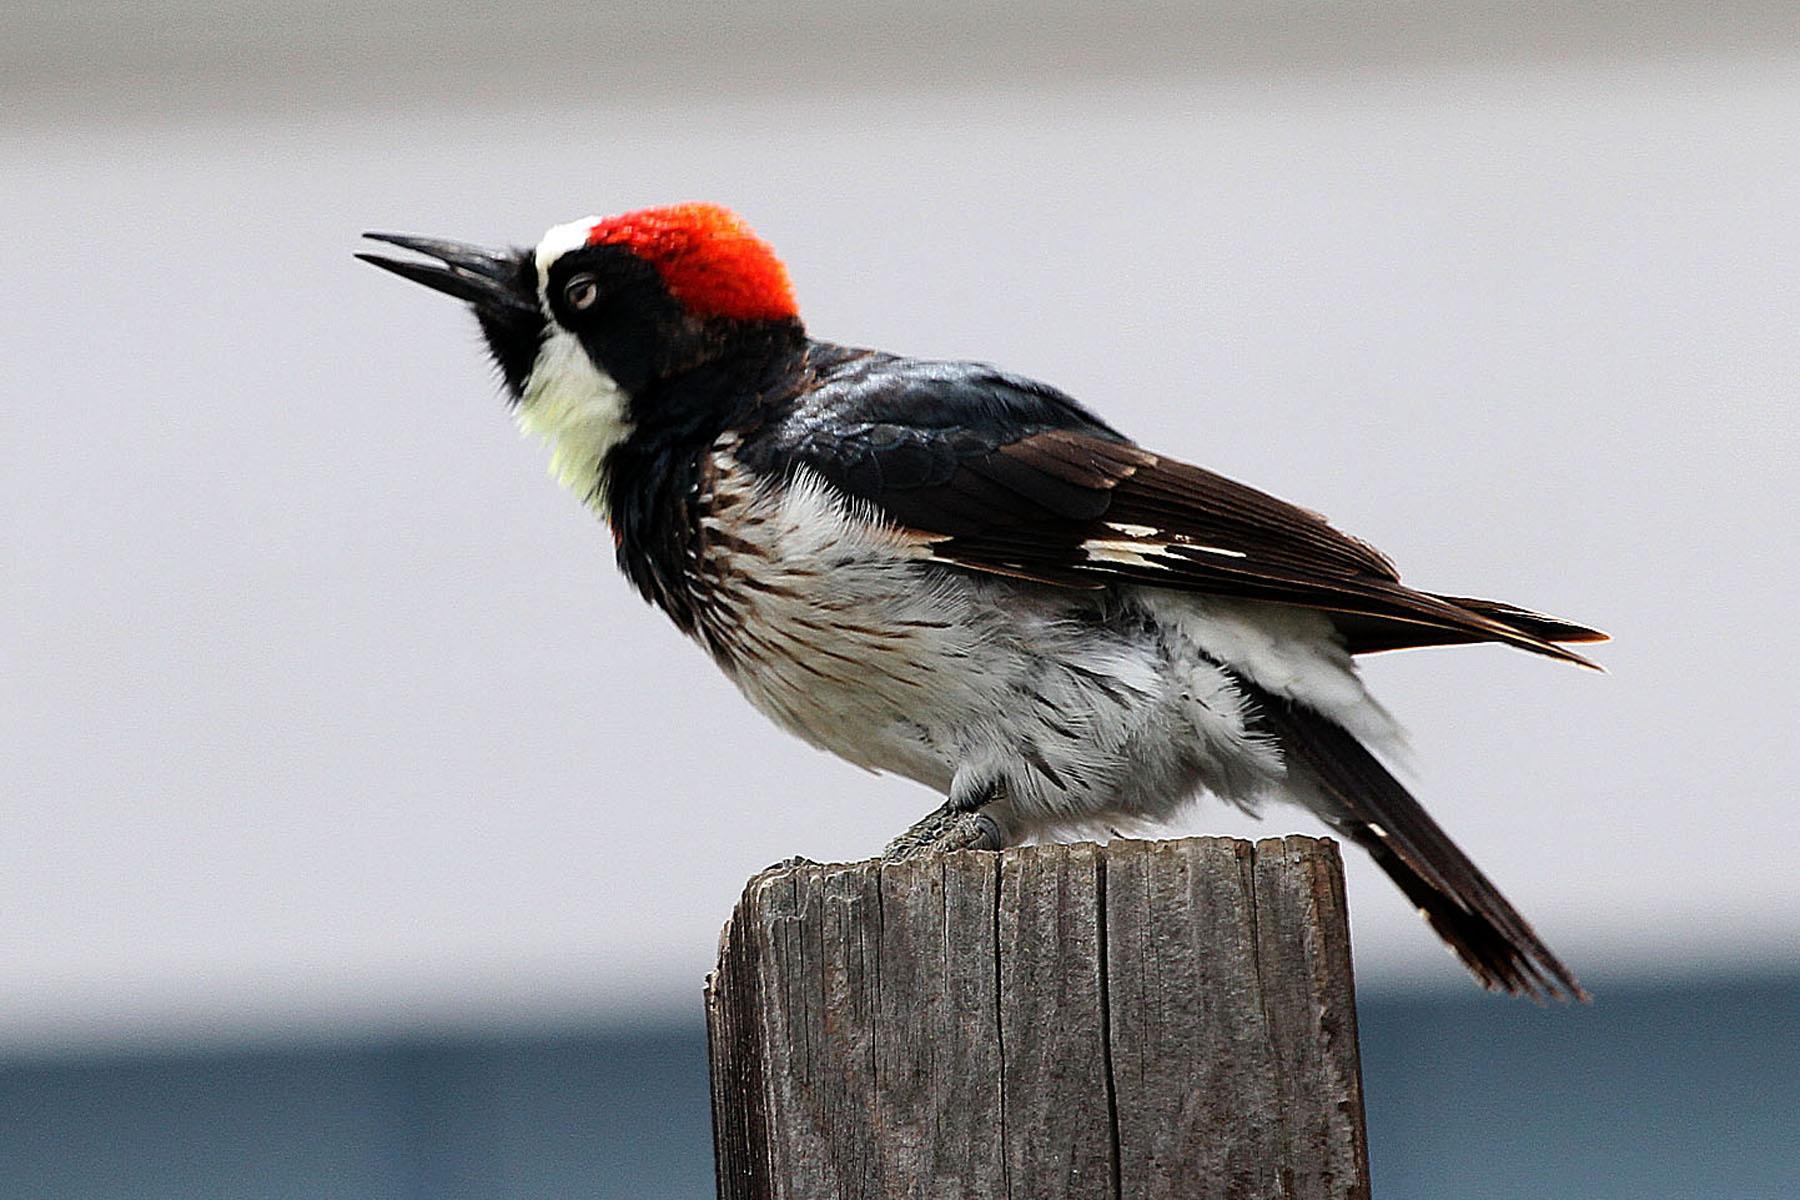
(961,575)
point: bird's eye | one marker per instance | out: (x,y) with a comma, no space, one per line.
(581,291)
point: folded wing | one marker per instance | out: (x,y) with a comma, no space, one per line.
(1000,474)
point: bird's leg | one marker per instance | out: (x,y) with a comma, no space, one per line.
(969,819)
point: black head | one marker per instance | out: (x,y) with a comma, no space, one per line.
(649,296)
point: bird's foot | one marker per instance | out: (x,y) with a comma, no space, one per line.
(947,829)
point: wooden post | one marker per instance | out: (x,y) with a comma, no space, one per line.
(1141,1019)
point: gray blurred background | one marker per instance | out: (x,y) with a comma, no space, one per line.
(361,835)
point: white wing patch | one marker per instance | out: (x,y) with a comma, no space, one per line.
(1144,545)
(1129,553)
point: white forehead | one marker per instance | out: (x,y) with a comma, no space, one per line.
(559,241)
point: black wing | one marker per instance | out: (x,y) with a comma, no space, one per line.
(1002,474)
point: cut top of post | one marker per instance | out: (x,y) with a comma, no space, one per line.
(1136,1019)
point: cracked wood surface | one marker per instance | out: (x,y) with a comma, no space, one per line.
(1140,1019)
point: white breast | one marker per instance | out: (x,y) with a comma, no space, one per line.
(826,622)
(840,628)
(1096,710)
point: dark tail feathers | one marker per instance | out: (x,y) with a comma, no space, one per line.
(1538,625)
(1366,804)
(1364,634)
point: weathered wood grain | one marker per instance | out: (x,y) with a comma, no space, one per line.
(1141,1019)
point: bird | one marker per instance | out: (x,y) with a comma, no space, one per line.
(966,577)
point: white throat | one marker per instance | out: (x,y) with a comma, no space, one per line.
(579,412)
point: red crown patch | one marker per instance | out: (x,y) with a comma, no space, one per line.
(709,258)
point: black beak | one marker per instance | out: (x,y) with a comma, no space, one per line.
(493,281)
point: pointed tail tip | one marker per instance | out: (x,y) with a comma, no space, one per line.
(1558,647)
(1563,989)
(1583,661)
(1496,945)
(1530,972)
(1584,637)
(1534,630)
(1561,985)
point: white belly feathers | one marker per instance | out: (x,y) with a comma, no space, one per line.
(1096,708)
